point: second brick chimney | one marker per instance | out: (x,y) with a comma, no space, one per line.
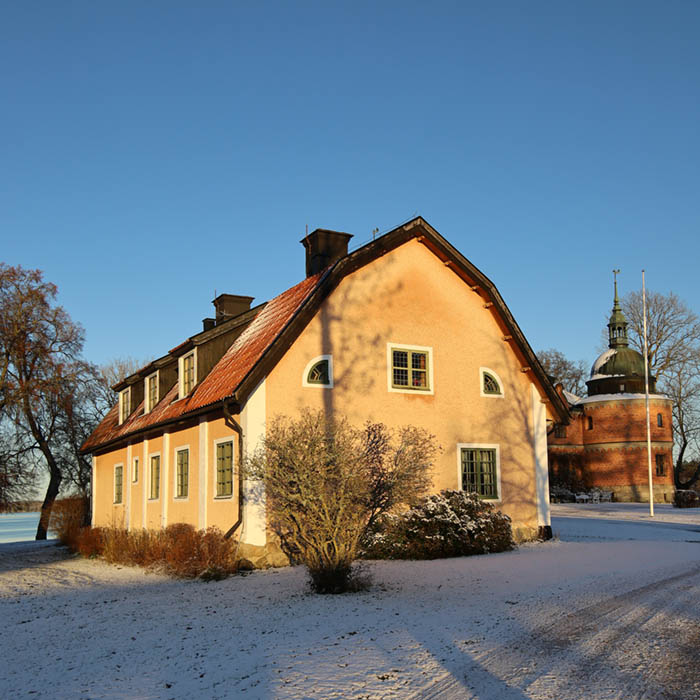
(323,248)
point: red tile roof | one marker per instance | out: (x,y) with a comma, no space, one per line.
(224,378)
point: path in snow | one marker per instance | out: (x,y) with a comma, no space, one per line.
(607,611)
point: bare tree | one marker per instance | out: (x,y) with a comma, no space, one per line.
(572,375)
(673,333)
(40,370)
(326,482)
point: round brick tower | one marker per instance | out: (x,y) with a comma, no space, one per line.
(605,443)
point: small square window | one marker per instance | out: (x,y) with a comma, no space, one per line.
(410,369)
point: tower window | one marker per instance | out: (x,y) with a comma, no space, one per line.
(590,422)
(660,465)
(659,420)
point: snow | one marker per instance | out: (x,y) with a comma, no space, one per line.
(602,359)
(606,610)
(571,398)
(620,396)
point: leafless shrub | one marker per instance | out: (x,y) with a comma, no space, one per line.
(327,482)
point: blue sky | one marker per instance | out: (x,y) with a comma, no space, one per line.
(153,153)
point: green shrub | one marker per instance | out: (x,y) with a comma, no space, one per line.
(447,524)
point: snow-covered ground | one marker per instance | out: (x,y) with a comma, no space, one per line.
(609,609)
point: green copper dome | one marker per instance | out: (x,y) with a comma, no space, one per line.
(620,369)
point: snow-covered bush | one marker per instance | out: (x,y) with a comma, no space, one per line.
(447,524)
(561,494)
(686,499)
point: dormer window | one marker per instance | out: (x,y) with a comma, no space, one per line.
(124,404)
(151,391)
(319,372)
(188,373)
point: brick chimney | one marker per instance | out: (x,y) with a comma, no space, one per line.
(323,248)
(229,305)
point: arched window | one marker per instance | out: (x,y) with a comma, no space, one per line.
(319,372)
(659,420)
(490,383)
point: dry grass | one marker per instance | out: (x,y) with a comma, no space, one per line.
(67,519)
(179,550)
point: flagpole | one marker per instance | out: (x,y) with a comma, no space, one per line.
(646,394)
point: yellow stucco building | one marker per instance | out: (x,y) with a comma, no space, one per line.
(403,330)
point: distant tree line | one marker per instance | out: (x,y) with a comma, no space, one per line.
(51,398)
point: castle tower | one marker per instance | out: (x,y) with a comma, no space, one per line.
(604,445)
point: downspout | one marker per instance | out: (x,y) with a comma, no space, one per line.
(232,423)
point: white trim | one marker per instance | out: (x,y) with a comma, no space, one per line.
(481,446)
(115,502)
(127,479)
(488,370)
(202,472)
(219,441)
(147,408)
(539,446)
(148,483)
(93,490)
(389,369)
(307,369)
(181,372)
(253,416)
(165,478)
(182,448)
(145,466)
(138,472)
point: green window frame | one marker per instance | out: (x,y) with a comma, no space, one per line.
(124,404)
(151,392)
(154,489)
(319,373)
(118,483)
(187,374)
(224,469)
(480,471)
(491,385)
(410,369)
(182,473)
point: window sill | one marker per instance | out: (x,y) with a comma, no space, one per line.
(224,498)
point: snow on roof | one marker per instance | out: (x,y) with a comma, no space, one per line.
(623,396)
(571,398)
(602,359)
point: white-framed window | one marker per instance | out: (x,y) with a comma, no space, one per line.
(124,404)
(319,373)
(182,473)
(479,469)
(409,368)
(154,477)
(118,483)
(187,372)
(150,391)
(135,470)
(490,383)
(223,472)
